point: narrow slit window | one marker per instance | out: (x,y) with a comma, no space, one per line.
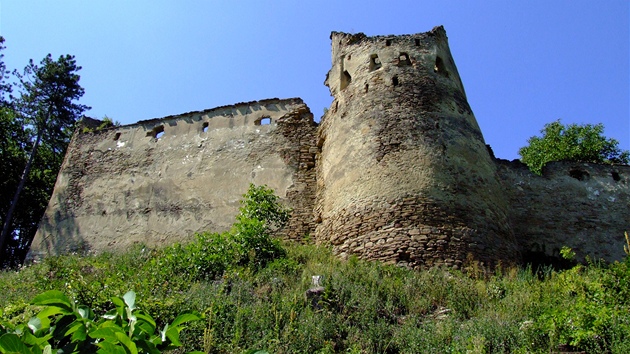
(395,81)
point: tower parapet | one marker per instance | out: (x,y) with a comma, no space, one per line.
(404,174)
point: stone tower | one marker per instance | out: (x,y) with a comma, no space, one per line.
(404,175)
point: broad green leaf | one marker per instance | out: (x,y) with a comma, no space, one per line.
(120,305)
(173,335)
(50,311)
(107,333)
(53,298)
(85,312)
(35,324)
(145,323)
(130,299)
(111,314)
(127,343)
(11,343)
(185,317)
(78,331)
(110,348)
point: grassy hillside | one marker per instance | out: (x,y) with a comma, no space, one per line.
(366,307)
(251,293)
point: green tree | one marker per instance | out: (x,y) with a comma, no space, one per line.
(47,112)
(572,142)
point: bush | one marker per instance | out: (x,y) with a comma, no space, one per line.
(573,142)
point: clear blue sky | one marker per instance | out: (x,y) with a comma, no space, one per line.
(523,63)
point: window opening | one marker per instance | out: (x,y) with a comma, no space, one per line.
(375,62)
(578,174)
(265,121)
(395,81)
(345,79)
(403,59)
(439,67)
(388,42)
(367,87)
(615,176)
(157,132)
(417,41)
(117,136)
(204,127)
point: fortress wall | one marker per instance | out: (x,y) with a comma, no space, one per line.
(159,181)
(397,171)
(579,205)
(404,175)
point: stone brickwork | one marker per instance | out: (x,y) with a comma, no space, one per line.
(579,205)
(159,181)
(404,174)
(397,171)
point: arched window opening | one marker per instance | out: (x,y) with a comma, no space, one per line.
(157,132)
(439,67)
(263,121)
(117,136)
(204,127)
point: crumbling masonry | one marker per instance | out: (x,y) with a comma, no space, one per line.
(396,171)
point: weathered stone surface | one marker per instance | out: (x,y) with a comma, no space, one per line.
(123,186)
(397,171)
(402,152)
(579,205)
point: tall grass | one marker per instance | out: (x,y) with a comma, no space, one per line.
(366,307)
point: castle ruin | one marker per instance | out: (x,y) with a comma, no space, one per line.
(397,171)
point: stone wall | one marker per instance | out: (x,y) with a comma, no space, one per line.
(159,181)
(397,171)
(404,174)
(579,205)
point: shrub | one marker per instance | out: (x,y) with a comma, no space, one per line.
(585,143)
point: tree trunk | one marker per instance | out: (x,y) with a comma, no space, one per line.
(16,196)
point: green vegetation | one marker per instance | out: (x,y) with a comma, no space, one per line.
(62,323)
(571,142)
(36,125)
(367,307)
(250,292)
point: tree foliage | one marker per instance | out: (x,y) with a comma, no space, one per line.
(36,127)
(572,142)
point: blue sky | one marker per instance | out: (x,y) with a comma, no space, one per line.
(523,63)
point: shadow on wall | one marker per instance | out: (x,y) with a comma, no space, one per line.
(61,235)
